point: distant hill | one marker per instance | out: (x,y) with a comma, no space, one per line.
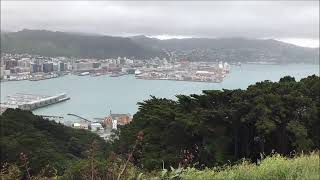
(50,43)
(232,49)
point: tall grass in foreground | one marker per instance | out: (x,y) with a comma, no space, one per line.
(276,167)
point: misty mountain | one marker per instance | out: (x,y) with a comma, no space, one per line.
(232,49)
(50,43)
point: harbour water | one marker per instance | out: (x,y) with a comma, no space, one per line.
(94,97)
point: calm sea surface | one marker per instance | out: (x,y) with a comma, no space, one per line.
(94,97)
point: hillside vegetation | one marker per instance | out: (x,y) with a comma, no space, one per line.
(233,49)
(219,126)
(49,43)
(43,142)
(276,167)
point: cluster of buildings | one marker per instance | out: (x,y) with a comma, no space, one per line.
(35,67)
(104,127)
(186,71)
(113,66)
(31,67)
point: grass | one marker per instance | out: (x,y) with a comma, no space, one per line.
(276,167)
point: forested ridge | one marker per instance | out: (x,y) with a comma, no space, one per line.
(54,43)
(197,131)
(49,43)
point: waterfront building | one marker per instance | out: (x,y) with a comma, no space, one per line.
(83,66)
(11,63)
(2,69)
(96,65)
(5,74)
(24,62)
(62,66)
(68,66)
(18,69)
(47,67)
(35,68)
(55,67)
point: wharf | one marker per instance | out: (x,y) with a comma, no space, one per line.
(30,101)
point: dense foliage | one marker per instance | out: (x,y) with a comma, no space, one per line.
(219,126)
(43,143)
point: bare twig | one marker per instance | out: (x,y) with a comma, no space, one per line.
(139,138)
(24,159)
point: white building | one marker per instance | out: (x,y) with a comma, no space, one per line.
(114,124)
(80,125)
(55,67)
(4,74)
(83,66)
(96,126)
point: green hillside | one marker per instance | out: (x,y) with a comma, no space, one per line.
(49,43)
(44,142)
(233,50)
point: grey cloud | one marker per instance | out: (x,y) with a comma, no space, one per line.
(253,19)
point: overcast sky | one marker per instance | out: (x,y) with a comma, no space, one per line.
(291,21)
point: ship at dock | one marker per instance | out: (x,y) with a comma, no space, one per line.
(31,102)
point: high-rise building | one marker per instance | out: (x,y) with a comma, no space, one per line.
(55,67)
(11,64)
(62,66)
(35,68)
(47,67)
(2,68)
